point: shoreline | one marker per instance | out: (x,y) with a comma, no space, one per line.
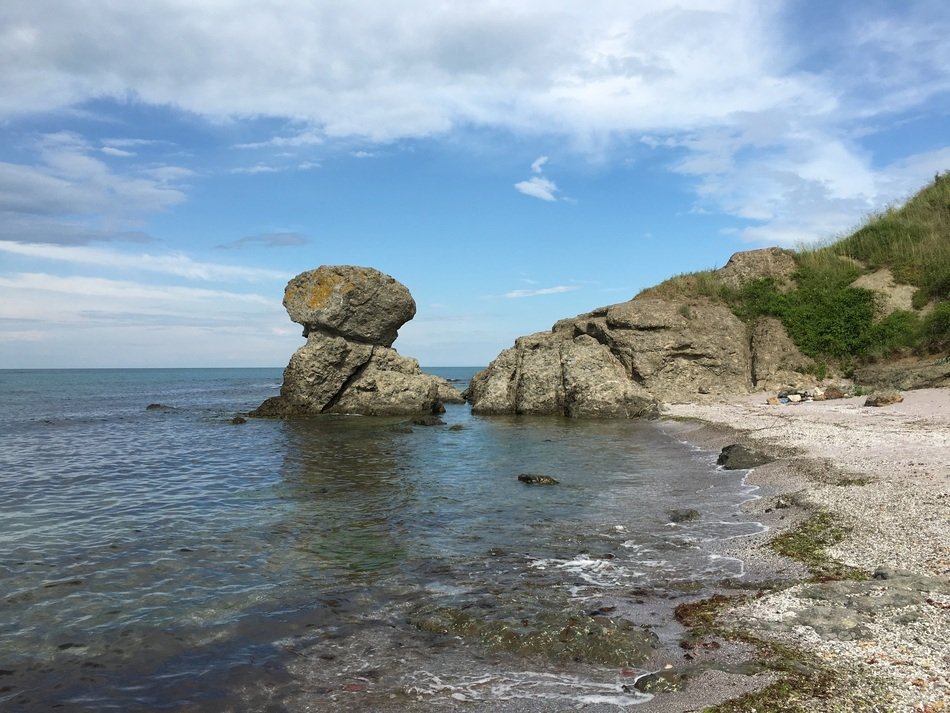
(873,605)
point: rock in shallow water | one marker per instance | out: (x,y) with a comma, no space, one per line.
(738,457)
(537,479)
(351,315)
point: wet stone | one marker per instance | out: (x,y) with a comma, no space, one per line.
(537,479)
(661,682)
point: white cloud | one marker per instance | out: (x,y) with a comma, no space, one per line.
(538,164)
(385,71)
(176,264)
(69,195)
(538,187)
(745,91)
(118,153)
(77,288)
(541,291)
(254,170)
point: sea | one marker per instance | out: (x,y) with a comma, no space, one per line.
(157,556)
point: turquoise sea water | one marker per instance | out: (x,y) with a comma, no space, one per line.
(167,559)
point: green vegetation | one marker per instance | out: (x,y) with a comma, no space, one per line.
(808,543)
(802,677)
(827,318)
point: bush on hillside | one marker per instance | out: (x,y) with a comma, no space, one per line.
(936,328)
(823,314)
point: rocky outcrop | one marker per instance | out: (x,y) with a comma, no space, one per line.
(351,316)
(905,375)
(621,360)
(744,267)
(776,361)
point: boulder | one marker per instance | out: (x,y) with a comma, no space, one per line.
(359,304)
(884,398)
(537,479)
(738,457)
(350,317)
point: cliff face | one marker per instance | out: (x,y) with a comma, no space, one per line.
(351,316)
(620,360)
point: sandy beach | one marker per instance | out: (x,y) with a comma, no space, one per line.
(883,476)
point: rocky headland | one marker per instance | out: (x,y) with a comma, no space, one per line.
(350,317)
(623,360)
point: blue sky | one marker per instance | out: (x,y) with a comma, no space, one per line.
(166,166)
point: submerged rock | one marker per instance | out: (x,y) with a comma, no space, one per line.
(159,407)
(561,635)
(351,316)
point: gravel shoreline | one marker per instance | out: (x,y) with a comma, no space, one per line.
(882,473)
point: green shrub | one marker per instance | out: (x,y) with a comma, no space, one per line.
(828,319)
(936,328)
(829,322)
(899,330)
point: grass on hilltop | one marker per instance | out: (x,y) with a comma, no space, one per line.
(829,319)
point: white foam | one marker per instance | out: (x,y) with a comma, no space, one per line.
(515,685)
(599,572)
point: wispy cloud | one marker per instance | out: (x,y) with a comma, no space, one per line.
(77,287)
(118,153)
(514,294)
(267,240)
(177,264)
(69,195)
(253,170)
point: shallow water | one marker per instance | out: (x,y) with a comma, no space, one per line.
(168,559)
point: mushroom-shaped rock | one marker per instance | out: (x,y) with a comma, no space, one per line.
(350,317)
(359,304)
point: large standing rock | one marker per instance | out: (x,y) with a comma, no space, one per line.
(357,303)
(351,316)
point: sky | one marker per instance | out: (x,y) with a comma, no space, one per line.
(167,165)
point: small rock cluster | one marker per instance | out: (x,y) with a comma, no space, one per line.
(815,393)
(796,396)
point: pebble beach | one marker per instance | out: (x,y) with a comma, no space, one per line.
(883,475)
